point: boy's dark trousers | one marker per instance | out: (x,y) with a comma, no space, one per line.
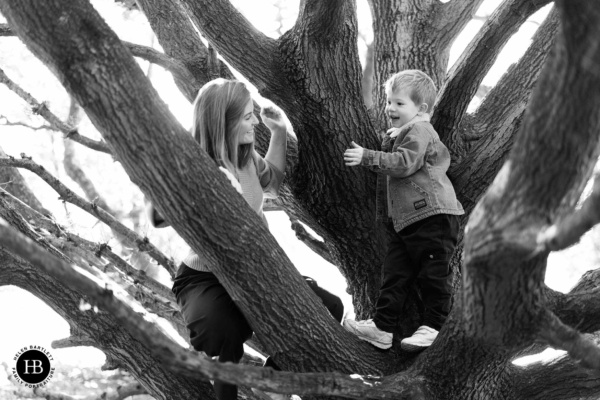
(217,326)
(421,252)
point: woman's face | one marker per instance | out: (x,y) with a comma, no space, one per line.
(246,125)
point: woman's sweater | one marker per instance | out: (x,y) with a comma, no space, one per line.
(259,179)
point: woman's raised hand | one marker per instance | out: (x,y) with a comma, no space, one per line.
(273,119)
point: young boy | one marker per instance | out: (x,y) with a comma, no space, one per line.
(417,200)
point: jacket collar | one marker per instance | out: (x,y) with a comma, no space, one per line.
(425,117)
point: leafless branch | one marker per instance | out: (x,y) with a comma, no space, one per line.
(177,68)
(563,378)
(561,336)
(151,294)
(6,31)
(229,32)
(183,362)
(452,17)
(55,122)
(469,70)
(568,231)
(26,125)
(13,182)
(312,242)
(578,308)
(133,239)
(492,129)
(73,341)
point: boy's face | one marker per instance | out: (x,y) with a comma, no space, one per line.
(399,108)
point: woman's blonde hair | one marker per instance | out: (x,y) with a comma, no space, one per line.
(218,109)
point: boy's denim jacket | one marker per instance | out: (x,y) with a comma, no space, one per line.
(412,167)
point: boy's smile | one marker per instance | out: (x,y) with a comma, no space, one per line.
(400,108)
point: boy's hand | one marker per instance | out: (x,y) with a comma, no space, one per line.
(273,119)
(353,156)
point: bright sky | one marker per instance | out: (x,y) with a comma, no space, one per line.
(32,322)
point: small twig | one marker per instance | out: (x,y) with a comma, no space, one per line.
(55,122)
(571,229)
(133,239)
(26,125)
(561,336)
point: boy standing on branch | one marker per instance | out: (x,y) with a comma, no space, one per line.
(418,203)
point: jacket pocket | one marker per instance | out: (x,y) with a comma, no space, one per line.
(408,199)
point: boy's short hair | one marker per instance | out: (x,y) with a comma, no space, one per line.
(420,85)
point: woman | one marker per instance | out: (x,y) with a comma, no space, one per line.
(224,123)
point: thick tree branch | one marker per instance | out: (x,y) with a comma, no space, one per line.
(133,239)
(559,379)
(571,73)
(491,131)
(451,17)
(119,393)
(55,122)
(183,362)
(324,20)
(580,307)
(561,336)
(112,338)
(568,231)
(469,70)
(246,48)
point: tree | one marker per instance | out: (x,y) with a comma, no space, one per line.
(520,163)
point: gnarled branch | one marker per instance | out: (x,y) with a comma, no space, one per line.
(55,122)
(324,20)
(493,127)
(572,227)
(246,48)
(561,336)
(451,18)
(469,70)
(68,195)
(183,362)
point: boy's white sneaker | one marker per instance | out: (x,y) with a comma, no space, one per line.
(420,340)
(369,332)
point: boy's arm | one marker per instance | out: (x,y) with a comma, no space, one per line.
(408,158)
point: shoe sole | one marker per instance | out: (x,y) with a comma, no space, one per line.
(378,344)
(413,348)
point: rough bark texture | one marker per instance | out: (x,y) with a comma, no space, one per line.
(312,72)
(108,335)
